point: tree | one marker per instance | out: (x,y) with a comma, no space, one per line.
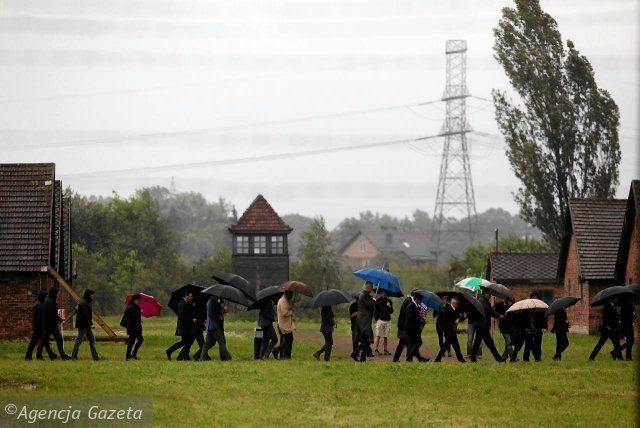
(562,141)
(318,265)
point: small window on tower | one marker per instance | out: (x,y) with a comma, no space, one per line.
(259,245)
(277,245)
(242,244)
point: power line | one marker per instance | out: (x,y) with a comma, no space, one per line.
(250,159)
(172,134)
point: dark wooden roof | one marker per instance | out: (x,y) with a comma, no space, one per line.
(26,216)
(260,217)
(597,226)
(527,268)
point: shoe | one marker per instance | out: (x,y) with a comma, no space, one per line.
(275,354)
(629,359)
(396,360)
(474,360)
(502,360)
(65,357)
(98,359)
(556,358)
(134,357)
(41,359)
(316,356)
(376,353)
(74,358)
(168,355)
(28,358)
(386,352)
(462,361)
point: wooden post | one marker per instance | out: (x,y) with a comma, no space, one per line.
(112,334)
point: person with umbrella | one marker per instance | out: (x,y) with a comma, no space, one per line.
(285,324)
(504,325)
(51,320)
(37,326)
(132,321)
(382,314)
(539,324)
(201,326)
(214,330)
(440,324)
(355,340)
(402,327)
(84,323)
(414,324)
(366,306)
(185,328)
(450,319)
(266,318)
(327,325)
(560,328)
(608,330)
(482,333)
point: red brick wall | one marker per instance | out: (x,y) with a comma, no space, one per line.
(579,314)
(632,274)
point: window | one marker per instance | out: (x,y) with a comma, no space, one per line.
(259,245)
(363,247)
(242,244)
(277,245)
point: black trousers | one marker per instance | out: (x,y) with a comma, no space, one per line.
(328,344)
(608,334)
(520,339)
(185,342)
(535,347)
(441,338)
(214,337)
(199,339)
(365,346)
(629,334)
(44,342)
(287,346)
(355,343)
(450,341)
(269,341)
(414,342)
(483,335)
(562,343)
(36,337)
(134,343)
(402,343)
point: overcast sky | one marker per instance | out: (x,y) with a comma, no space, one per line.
(108,85)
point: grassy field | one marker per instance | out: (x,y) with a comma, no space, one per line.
(305,392)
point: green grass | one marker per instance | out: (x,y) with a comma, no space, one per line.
(305,392)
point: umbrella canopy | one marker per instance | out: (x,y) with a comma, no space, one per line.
(330,298)
(381,279)
(355,294)
(634,287)
(430,299)
(467,300)
(500,291)
(472,283)
(235,281)
(561,303)
(149,306)
(528,304)
(178,294)
(610,292)
(297,287)
(228,293)
(264,296)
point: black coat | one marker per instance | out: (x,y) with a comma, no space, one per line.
(132,318)
(505,323)
(627,312)
(609,316)
(37,319)
(186,314)
(353,308)
(84,317)
(488,313)
(560,324)
(366,307)
(449,316)
(539,321)
(402,315)
(383,309)
(413,320)
(520,323)
(51,317)
(327,319)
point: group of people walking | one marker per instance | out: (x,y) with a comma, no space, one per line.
(519,329)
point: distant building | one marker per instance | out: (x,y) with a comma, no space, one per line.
(589,256)
(388,243)
(524,272)
(260,245)
(35,236)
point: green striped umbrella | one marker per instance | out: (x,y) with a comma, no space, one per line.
(473,283)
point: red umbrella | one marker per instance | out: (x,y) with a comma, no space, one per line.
(149,306)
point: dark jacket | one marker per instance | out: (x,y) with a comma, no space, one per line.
(626,312)
(504,325)
(267,315)
(51,317)
(539,321)
(488,313)
(186,314)
(214,315)
(609,316)
(402,315)
(132,318)
(366,307)
(353,308)
(327,319)
(84,317)
(383,309)
(520,323)
(38,313)
(560,324)
(413,321)
(449,316)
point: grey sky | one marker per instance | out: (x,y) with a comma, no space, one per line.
(92,73)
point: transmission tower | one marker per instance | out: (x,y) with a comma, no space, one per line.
(455,211)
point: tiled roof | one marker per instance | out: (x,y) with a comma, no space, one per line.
(260,217)
(533,268)
(597,226)
(416,245)
(26,209)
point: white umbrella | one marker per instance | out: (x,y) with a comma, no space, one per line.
(525,304)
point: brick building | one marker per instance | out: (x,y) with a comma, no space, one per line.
(34,237)
(629,253)
(589,254)
(525,272)
(388,244)
(260,245)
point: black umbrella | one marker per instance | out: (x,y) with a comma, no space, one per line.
(500,291)
(634,287)
(264,296)
(235,281)
(330,298)
(561,303)
(468,300)
(602,297)
(355,294)
(177,295)
(228,293)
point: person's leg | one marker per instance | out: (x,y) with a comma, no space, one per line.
(35,337)
(402,342)
(328,344)
(376,344)
(208,344)
(410,348)
(443,347)
(488,339)
(199,338)
(477,339)
(629,340)
(269,339)
(60,343)
(518,341)
(604,336)
(289,345)
(76,346)
(385,345)
(562,343)
(139,339)
(365,348)
(453,343)
(222,345)
(615,341)
(470,330)
(186,350)
(130,342)
(538,346)
(528,344)
(171,349)
(92,344)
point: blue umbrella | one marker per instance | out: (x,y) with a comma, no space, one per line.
(430,299)
(381,279)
